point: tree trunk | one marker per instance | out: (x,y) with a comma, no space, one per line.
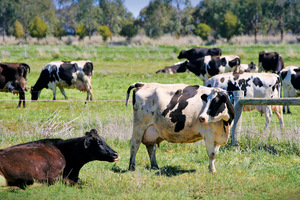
(281,29)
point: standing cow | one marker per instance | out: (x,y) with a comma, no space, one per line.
(290,77)
(259,85)
(75,74)
(13,78)
(179,113)
(270,61)
(195,53)
(209,66)
(47,159)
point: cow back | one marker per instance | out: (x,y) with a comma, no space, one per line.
(66,71)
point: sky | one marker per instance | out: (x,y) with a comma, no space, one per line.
(135,6)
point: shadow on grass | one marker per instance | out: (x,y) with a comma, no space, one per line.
(117,169)
(173,171)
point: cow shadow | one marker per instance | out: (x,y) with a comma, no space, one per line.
(170,171)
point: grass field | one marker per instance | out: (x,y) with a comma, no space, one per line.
(267,165)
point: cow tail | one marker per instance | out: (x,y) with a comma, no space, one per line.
(135,85)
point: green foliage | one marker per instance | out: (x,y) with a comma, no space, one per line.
(203,31)
(37,28)
(229,25)
(59,31)
(81,31)
(104,32)
(18,30)
(129,31)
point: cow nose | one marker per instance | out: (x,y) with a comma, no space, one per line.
(202,119)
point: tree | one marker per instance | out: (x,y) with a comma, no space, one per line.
(104,32)
(8,13)
(129,31)
(229,25)
(37,28)
(18,30)
(81,31)
(59,31)
(203,31)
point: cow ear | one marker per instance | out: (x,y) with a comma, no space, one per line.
(223,97)
(223,62)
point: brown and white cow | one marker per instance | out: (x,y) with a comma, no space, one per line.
(270,61)
(13,78)
(259,85)
(47,159)
(179,113)
(290,77)
(74,74)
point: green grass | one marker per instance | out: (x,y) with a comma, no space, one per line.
(267,165)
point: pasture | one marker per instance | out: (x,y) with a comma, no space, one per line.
(266,166)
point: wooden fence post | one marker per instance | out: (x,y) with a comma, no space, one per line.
(237,123)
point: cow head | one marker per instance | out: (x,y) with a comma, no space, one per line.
(181,54)
(98,149)
(34,93)
(218,107)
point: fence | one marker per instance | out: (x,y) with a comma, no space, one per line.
(239,101)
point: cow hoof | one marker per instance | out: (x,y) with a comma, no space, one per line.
(131,167)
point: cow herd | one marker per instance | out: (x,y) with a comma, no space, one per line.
(177,113)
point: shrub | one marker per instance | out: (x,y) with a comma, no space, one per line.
(129,31)
(37,28)
(203,31)
(18,30)
(59,31)
(104,32)
(81,31)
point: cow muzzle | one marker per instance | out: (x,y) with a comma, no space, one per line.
(203,119)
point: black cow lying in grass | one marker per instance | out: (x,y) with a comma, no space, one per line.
(47,159)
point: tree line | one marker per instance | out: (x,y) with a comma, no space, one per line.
(210,19)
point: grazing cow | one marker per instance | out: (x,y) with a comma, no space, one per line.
(248,67)
(47,159)
(260,85)
(75,74)
(210,66)
(13,78)
(290,77)
(176,68)
(196,53)
(270,61)
(179,113)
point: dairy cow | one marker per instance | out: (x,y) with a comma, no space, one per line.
(176,68)
(195,53)
(290,77)
(209,66)
(260,85)
(75,74)
(13,78)
(270,61)
(179,113)
(47,159)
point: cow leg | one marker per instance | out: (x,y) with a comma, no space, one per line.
(288,110)
(63,92)
(151,151)
(21,99)
(268,115)
(134,147)
(212,151)
(278,112)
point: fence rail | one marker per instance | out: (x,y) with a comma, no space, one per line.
(239,101)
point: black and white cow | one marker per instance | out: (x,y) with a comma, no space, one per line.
(176,68)
(179,113)
(13,78)
(209,66)
(74,74)
(270,61)
(290,77)
(197,52)
(260,85)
